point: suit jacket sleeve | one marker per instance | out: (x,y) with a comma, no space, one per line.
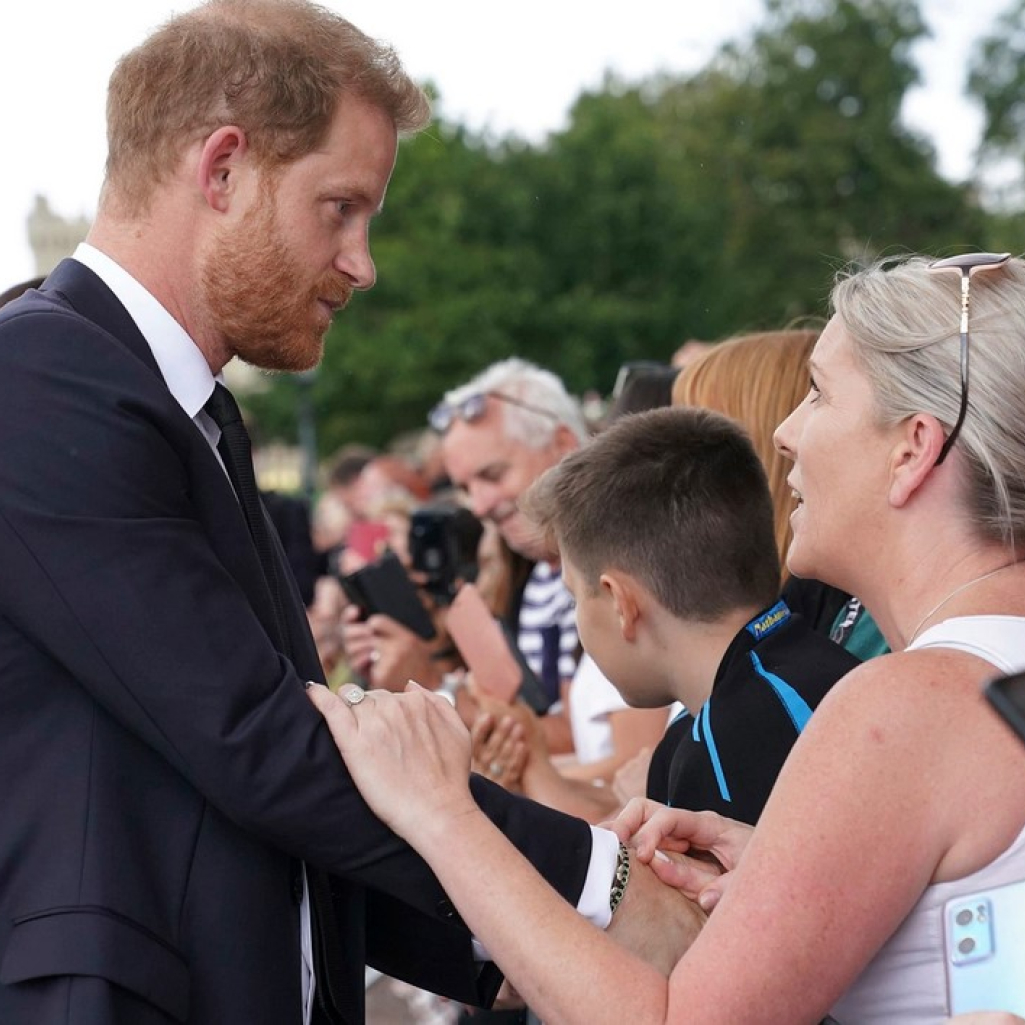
(126,558)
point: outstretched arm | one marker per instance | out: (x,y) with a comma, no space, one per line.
(567,970)
(814,896)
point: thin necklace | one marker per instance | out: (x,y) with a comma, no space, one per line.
(957,590)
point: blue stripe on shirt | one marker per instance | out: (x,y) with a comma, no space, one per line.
(713,753)
(797,708)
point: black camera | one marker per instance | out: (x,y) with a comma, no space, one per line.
(443,540)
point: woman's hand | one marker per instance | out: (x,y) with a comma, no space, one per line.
(409,755)
(690,837)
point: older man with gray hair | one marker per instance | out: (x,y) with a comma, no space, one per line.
(501,431)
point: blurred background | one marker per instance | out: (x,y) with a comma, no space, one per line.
(709,180)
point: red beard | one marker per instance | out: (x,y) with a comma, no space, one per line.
(257,299)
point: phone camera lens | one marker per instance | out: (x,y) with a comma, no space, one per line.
(964,917)
(966,946)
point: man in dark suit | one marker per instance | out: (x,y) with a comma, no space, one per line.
(172,803)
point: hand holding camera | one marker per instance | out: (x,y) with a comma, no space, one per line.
(398,655)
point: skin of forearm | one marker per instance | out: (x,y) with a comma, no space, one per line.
(568,971)
(557,734)
(588,772)
(632,729)
(544,783)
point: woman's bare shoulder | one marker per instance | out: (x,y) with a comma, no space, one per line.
(903,679)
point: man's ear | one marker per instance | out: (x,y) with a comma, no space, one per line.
(219,161)
(564,441)
(914,456)
(621,589)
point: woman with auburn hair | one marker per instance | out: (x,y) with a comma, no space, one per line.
(757,379)
(902,801)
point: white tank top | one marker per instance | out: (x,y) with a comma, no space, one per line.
(905,983)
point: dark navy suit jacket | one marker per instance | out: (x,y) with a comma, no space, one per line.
(162,769)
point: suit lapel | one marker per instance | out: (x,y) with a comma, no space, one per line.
(80,288)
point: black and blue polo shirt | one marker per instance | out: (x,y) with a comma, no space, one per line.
(726,757)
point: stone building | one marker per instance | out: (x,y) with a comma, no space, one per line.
(51,236)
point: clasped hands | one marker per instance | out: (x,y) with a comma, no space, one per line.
(504,738)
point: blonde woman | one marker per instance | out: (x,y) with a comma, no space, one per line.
(903,792)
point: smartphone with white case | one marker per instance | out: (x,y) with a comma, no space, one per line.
(984,940)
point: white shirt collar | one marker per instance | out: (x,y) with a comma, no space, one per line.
(182,364)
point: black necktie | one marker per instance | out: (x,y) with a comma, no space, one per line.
(237,454)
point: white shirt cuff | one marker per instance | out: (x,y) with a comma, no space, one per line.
(594,900)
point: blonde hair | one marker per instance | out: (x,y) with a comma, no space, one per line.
(904,324)
(276,68)
(757,380)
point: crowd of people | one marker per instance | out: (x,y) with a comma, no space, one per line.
(901,797)
(673,714)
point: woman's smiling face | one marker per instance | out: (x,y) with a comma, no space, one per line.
(841,470)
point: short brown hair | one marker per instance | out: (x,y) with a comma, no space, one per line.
(275,68)
(758,380)
(675,497)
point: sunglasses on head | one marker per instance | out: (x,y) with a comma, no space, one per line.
(965,265)
(473,407)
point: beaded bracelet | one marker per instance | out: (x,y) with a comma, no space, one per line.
(621,878)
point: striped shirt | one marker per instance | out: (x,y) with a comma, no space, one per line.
(547,628)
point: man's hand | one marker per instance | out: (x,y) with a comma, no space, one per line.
(656,922)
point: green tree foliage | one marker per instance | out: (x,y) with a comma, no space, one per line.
(806,162)
(667,209)
(997,78)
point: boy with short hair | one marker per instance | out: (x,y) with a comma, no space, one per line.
(665,531)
